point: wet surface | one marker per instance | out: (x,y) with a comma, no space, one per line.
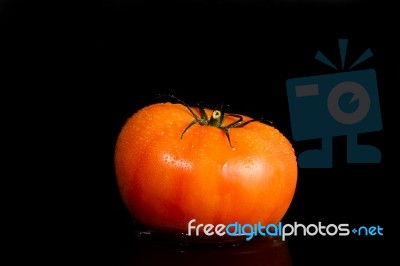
(265,251)
(132,249)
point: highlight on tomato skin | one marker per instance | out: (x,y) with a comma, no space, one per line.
(175,163)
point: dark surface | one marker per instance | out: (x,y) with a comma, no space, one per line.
(79,71)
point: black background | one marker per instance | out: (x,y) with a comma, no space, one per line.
(79,70)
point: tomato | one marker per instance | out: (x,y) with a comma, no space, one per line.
(171,169)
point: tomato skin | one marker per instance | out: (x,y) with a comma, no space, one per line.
(165,180)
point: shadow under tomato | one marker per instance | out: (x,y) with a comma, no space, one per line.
(259,251)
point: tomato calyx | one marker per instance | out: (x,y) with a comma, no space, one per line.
(216,119)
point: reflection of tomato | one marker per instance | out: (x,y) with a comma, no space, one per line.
(262,251)
(166,179)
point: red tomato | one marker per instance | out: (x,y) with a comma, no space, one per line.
(244,174)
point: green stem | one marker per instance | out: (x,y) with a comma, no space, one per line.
(216,119)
